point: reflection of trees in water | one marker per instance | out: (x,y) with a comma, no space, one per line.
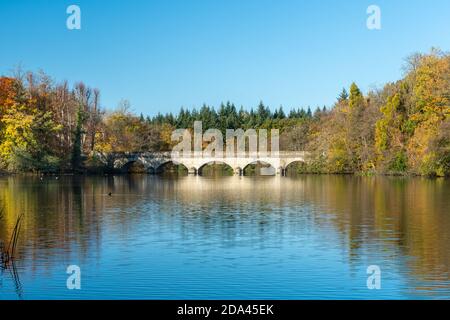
(390,215)
(10,270)
(7,255)
(58,213)
(371,215)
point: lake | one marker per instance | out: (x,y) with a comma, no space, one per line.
(309,237)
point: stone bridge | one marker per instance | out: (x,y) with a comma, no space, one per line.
(153,161)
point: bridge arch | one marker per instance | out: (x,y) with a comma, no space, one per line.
(291,161)
(120,163)
(227,165)
(135,166)
(160,168)
(295,167)
(268,168)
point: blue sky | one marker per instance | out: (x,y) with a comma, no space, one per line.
(162,55)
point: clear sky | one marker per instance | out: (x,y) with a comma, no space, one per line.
(162,55)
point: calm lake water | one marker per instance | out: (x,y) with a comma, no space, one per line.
(227,238)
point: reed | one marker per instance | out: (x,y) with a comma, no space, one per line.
(2,245)
(7,252)
(15,236)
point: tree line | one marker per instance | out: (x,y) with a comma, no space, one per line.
(402,128)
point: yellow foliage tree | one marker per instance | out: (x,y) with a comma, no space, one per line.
(432,95)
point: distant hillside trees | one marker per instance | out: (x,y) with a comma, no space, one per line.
(402,128)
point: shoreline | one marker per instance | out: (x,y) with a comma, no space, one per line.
(97,174)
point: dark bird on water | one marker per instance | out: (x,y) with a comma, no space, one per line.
(110,194)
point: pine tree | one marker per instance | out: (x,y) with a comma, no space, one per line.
(280,113)
(343,96)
